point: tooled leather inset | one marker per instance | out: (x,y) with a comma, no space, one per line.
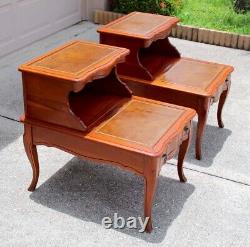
(196,74)
(139,23)
(138,120)
(72,61)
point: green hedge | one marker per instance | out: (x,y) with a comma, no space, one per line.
(163,7)
(241,6)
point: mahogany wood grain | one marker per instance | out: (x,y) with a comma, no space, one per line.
(75,102)
(156,70)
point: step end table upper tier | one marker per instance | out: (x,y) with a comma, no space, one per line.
(151,53)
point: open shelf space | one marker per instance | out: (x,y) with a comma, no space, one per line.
(158,57)
(97,100)
(92,106)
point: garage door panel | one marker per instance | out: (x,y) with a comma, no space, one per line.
(30,15)
(24,21)
(69,14)
(4,3)
(70,8)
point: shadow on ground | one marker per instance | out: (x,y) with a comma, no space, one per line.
(90,192)
(213,141)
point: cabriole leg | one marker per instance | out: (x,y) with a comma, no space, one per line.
(222,101)
(31,152)
(181,156)
(150,176)
(202,120)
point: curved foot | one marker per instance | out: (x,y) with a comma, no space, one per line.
(222,101)
(181,156)
(202,120)
(150,187)
(31,152)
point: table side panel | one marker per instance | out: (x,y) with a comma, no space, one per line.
(90,149)
(47,100)
(164,94)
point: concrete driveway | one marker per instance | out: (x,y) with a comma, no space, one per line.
(212,209)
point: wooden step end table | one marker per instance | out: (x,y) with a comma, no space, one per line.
(156,70)
(75,102)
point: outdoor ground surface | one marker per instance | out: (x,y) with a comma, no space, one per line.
(215,14)
(211,209)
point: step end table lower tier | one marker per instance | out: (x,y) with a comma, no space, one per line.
(140,137)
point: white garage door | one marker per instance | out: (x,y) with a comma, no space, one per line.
(23,21)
